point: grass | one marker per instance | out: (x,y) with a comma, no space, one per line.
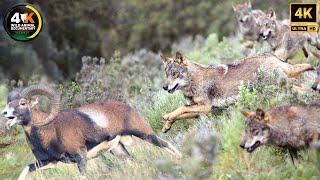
(166,103)
(149,162)
(141,166)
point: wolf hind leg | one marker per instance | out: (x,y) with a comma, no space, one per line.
(315,53)
(300,90)
(297,69)
(294,156)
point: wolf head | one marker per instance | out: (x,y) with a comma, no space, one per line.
(243,14)
(316,84)
(257,131)
(176,69)
(267,25)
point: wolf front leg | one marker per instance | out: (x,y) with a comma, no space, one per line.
(281,54)
(295,70)
(305,52)
(195,109)
(184,112)
(168,124)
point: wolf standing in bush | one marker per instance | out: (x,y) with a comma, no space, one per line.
(216,86)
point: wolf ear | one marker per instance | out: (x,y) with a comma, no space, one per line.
(272,14)
(260,114)
(248,114)
(165,59)
(234,7)
(180,59)
(248,4)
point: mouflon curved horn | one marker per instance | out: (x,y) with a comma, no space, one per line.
(54,99)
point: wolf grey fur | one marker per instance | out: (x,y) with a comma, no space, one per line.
(207,87)
(293,127)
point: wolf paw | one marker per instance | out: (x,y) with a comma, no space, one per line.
(167,117)
(166,127)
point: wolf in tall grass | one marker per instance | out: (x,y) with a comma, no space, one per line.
(292,127)
(206,87)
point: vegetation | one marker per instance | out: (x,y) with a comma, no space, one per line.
(99,28)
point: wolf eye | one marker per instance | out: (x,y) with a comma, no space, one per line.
(255,132)
(175,74)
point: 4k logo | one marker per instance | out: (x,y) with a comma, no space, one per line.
(303,12)
(23,22)
(25,18)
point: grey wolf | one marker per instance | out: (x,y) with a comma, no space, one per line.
(292,127)
(247,23)
(75,135)
(284,42)
(207,87)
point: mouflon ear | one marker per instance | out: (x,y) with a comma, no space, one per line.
(165,59)
(248,114)
(180,59)
(272,14)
